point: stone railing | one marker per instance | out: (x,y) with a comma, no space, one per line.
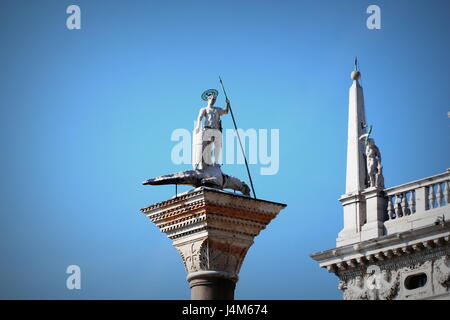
(378,212)
(418,197)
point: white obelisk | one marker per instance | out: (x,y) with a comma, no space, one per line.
(356,164)
(352,201)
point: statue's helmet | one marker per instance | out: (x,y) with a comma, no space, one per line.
(210,94)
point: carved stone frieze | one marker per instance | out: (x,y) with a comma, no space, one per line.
(441,274)
(424,276)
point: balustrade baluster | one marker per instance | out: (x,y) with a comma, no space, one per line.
(440,195)
(404,204)
(431,197)
(398,207)
(390,208)
(412,202)
(447,193)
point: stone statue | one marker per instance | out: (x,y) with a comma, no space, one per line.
(206,172)
(210,135)
(374,167)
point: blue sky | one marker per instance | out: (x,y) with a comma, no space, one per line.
(86,115)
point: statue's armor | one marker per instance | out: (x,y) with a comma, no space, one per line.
(212,118)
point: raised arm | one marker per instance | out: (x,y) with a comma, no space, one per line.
(227,109)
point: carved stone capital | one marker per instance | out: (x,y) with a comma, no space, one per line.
(210,254)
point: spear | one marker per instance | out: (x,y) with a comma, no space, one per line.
(239,138)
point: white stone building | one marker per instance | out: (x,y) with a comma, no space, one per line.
(395,241)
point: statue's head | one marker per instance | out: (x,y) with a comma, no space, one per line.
(210,96)
(211,99)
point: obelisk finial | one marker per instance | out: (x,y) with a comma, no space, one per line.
(356,75)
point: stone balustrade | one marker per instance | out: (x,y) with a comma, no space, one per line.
(426,200)
(376,212)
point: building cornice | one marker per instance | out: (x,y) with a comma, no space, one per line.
(384,248)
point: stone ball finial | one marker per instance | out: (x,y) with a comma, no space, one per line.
(356,75)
